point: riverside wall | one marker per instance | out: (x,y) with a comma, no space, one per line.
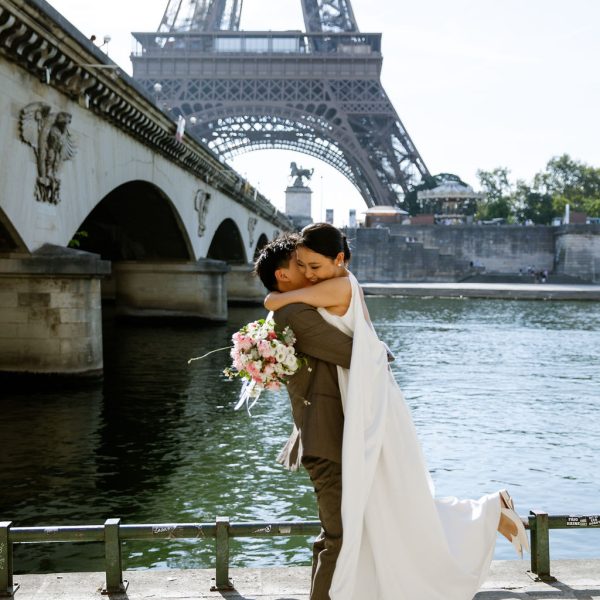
(577,251)
(453,253)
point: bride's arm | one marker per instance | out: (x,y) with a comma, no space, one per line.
(325,294)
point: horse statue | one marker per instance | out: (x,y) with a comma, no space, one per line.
(299,173)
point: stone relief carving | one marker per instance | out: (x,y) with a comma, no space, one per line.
(252,222)
(201,201)
(48,134)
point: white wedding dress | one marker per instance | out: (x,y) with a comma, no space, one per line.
(400,542)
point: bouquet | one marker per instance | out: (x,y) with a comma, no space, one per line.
(263,357)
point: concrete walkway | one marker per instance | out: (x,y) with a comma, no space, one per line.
(508,580)
(512,291)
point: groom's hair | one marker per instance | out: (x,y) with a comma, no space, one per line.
(275,255)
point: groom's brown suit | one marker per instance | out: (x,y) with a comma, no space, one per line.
(319,425)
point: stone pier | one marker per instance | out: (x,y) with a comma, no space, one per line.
(171,289)
(50,312)
(243,287)
(577,251)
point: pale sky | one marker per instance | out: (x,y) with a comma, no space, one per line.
(478,84)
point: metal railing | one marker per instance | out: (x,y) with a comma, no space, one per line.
(540,523)
(224,43)
(112,533)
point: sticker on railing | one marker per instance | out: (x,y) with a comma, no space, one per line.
(591,521)
(49,530)
(163,529)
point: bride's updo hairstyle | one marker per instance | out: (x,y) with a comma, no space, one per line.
(325,239)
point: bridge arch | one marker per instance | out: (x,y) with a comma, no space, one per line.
(10,240)
(260,244)
(227,244)
(135,221)
(312,129)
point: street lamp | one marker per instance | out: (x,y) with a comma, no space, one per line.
(157,87)
(106,39)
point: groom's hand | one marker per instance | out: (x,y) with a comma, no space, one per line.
(390,356)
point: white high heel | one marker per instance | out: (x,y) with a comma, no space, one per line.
(519,541)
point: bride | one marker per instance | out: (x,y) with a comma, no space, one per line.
(400,542)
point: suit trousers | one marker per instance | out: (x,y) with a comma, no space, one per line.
(326,477)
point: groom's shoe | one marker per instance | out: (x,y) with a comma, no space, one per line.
(519,541)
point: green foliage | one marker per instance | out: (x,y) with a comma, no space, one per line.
(76,241)
(495,183)
(498,201)
(592,207)
(569,181)
(533,205)
(563,181)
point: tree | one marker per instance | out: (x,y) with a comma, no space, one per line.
(532,205)
(572,182)
(498,202)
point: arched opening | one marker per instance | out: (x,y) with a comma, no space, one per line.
(135,221)
(270,171)
(227,244)
(10,240)
(262,242)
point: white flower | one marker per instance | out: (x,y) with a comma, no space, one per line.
(291,362)
(280,353)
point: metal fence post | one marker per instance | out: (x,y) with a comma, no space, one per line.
(7,587)
(112,548)
(540,545)
(222,581)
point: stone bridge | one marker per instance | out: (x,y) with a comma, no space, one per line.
(100,195)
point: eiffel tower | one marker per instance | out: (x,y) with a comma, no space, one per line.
(317,92)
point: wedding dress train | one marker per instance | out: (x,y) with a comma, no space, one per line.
(400,542)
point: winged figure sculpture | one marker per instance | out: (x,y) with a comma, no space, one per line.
(48,134)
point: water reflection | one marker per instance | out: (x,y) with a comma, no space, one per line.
(503,394)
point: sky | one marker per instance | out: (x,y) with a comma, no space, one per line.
(478,84)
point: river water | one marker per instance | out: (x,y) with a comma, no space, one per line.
(503,393)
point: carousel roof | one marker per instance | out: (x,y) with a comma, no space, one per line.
(450,189)
(385,210)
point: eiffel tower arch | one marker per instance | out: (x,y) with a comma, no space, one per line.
(318,92)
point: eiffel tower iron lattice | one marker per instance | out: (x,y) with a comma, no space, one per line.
(317,92)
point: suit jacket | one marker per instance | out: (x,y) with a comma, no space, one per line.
(314,389)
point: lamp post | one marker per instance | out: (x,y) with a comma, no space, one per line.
(106,39)
(157,87)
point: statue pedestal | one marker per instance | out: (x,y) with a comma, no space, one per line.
(298,201)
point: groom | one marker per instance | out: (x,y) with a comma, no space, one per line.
(316,403)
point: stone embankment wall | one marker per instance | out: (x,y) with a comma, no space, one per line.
(577,251)
(379,255)
(452,253)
